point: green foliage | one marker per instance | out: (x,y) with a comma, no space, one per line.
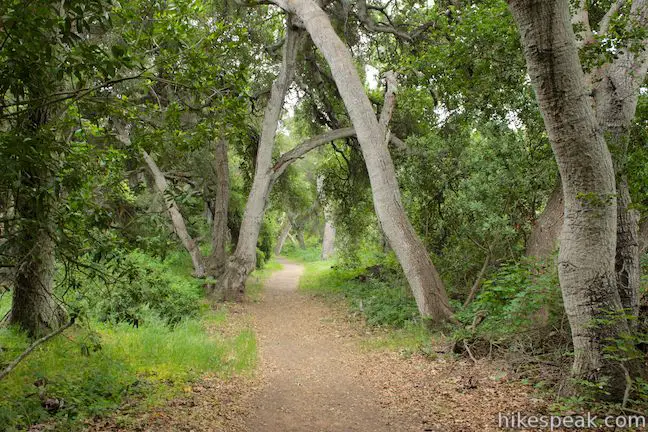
(312,252)
(149,364)
(380,302)
(148,285)
(519,297)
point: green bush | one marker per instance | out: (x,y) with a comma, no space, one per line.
(381,302)
(518,298)
(148,284)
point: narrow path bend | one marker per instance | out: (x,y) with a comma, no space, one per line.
(311,372)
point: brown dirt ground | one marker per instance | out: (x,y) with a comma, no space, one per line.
(315,376)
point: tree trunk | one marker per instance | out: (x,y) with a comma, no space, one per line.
(177,220)
(423,278)
(231,286)
(218,257)
(34,307)
(643,237)
(283,235)
(616,92)
(300,238)
(588,240)
(546,230)
(328,240)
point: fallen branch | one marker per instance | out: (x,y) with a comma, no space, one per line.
(33,346)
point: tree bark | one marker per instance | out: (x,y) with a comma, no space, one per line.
(300,238)
(616,92)
(328,239)
(543,239)
(423,278)
(218,258)
(643,237)
(283,235)
(586,262)
(34,307)
(177,220)
(231,285)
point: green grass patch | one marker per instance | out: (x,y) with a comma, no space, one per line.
(254,284)
(388,309)
(143,339)
(94,372)
(5,303)
(312,252)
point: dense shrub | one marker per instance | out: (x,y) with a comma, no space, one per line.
(380,301)
(148,285)
(518,298)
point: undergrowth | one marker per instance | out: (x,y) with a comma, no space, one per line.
(312,252)
(130,346)
(386,307)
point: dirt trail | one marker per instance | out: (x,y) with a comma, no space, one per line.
(311,374)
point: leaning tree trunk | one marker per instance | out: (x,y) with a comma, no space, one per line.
(177,220)
(218,258)
(423,278)
(588,240)
(283,235)
(231,285)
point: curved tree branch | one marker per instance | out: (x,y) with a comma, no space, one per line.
(33,346)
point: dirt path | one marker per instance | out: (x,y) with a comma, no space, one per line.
(311,374)
(314,376)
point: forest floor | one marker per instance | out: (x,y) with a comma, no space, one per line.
(316,374)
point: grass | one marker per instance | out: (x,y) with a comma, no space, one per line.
(312,253)
(386,309)
(95,371)
(95,367)
(5,302)
(254,284)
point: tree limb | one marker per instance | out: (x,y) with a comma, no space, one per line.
(604,24)
(581,18)
(478,280)
(371,25)
(33,346)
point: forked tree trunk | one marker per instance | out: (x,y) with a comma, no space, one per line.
(588,240)
(615,90)
(177,220)
(544,237)
(423,278)
(218,258)
(283,235)
(231,285)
